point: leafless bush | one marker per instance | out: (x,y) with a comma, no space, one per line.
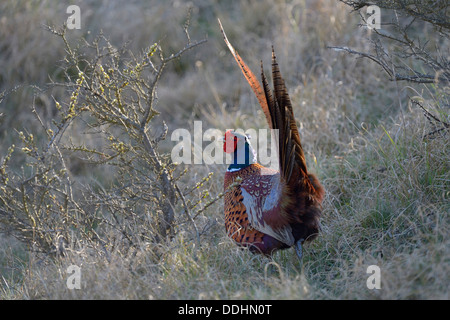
(401,32)
(113,101)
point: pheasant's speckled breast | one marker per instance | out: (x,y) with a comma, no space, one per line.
(256,183)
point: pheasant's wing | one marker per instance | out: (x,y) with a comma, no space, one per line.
(262,197)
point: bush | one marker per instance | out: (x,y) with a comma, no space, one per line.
(113,101)
(405,53)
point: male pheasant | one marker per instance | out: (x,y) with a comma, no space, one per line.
(267,210)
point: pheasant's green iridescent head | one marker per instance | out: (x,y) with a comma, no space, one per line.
(238,145)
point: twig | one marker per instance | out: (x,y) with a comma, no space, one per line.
(188,215)
(430,117)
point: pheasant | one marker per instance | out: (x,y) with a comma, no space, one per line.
(265,209)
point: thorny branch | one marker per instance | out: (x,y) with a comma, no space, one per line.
(432,119)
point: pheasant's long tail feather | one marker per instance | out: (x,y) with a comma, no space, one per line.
(251,78)
(291,150)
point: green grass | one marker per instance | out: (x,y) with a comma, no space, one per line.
(387,186)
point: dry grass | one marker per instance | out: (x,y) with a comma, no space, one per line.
(387,200)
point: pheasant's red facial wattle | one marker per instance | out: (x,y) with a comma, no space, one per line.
(230,142)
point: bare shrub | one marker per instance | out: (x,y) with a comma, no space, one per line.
(406,53)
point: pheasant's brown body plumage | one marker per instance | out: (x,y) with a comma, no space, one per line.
(236,218)
(265,209)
